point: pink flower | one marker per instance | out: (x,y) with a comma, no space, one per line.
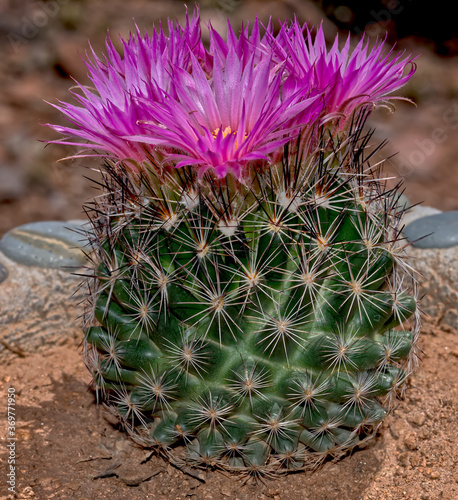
(248,45)
(224,123)
(112,107)
(228,109)
(348,78)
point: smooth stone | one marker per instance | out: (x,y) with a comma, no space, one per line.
(418,212)
(3,273)
(39,308)
(437,278)
(48,244)
(441,231)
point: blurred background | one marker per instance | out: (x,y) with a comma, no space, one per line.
(42,42)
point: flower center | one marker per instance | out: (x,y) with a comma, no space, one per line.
(228,131)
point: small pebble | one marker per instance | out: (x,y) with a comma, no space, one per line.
(226,491)
(395,431)
(417,418)
(436,231)
(411,442)
(49,244)
(424,434)
(404,460)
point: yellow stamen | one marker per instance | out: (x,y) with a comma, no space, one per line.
(227,131)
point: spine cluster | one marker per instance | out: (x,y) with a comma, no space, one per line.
(257,327)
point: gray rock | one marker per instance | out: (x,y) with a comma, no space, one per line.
(438,283)
(3,273)
(50,244)
(442,231)
(37,308)
(437,268)
(418,212)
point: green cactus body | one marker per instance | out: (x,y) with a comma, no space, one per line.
(258,328)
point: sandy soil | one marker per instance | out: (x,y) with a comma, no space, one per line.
(67,448)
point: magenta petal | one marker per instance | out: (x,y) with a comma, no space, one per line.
(228,108)
(347,78)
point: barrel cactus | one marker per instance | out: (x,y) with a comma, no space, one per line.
(249,306)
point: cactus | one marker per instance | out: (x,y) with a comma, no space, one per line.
(252,312)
